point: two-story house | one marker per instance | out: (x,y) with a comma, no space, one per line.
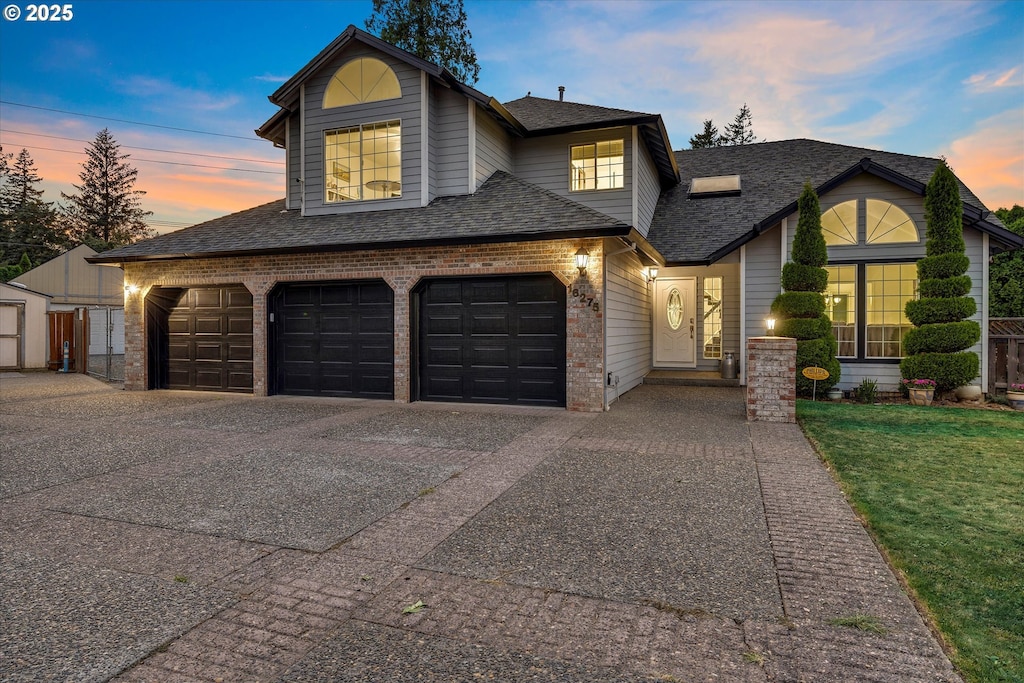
(436,244)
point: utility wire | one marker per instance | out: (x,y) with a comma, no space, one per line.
(145,149)
(168,163)
(134,123)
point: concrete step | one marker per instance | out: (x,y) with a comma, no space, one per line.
(689,378)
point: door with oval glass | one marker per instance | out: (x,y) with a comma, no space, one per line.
(675,322)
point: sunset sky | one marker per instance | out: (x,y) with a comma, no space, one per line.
(923,78)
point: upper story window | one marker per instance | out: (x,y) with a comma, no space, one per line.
(839,224)
(363,162)
(596,166)
(889,224)
(364,79)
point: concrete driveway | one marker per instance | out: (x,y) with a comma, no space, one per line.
(178,536)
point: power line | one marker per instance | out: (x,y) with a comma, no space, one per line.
(133,123)
(167,163)
(146,149)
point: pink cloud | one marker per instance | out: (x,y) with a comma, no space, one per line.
(990,160)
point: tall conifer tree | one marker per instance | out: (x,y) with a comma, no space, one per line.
(29,224)
(434,30)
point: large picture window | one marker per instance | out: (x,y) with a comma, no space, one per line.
(867,301)
(596,166)
(712,317)
(841,306)
(363,162)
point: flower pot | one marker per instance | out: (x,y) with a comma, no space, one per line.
(835,394)
(1016,399)
(968,392)
(921,397)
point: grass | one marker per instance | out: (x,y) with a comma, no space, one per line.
(942,490)
(861,622)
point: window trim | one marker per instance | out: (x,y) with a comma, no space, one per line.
(361,127)
(573,145)
(328,89)
(861,322)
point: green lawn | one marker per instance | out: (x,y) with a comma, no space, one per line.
(943,491)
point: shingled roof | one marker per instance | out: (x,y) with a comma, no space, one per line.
(504,209)
(700,231)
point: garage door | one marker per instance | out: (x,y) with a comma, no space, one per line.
(200,338)
(333,339)
(492,340)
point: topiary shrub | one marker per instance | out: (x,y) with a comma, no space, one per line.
(936,346)
(800,308)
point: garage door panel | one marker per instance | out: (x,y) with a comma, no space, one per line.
(343,330)
(240,352)
(204,325)
(207,298)
(493,340)
(240,325)
(177,325)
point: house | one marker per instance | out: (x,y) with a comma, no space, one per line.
(71,282)
(436,244)
(23,338)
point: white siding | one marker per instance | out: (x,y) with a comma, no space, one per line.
(729,271)
(648,189)
(493,148)
(545,162)
(628,322)
(450,142)
(318,120)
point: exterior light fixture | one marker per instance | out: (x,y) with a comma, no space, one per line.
(582,259)
(131,289)
(652,274)
(769,324)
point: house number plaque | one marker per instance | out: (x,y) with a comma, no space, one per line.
(583,298)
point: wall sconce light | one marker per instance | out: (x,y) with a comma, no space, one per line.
(769,324)
(652,274)
(582,259)
(131,289)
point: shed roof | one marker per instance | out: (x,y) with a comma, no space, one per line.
(701,231)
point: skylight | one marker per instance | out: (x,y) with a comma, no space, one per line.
(715,186)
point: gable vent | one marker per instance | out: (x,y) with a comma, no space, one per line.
(715,186)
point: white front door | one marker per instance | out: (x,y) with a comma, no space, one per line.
(675,322)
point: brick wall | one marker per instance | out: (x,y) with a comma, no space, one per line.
(771,379)
(402,269)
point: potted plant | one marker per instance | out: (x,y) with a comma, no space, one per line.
(1015,395)
(921,391)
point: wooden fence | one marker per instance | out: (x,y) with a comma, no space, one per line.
(1005,353)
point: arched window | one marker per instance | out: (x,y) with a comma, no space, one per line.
(839,224)
(889,224)
(364,79)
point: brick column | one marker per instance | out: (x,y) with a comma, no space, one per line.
(771,379)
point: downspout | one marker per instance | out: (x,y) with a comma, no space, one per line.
(984,310)
(743,317)
(302,150)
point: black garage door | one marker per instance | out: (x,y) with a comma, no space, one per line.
(333,339)
(200,338)
(492,340)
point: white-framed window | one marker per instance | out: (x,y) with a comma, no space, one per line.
(363,162)
(839,224)
(364,79)
(884,223)
(712,298)
(597,166)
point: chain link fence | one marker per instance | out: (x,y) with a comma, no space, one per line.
(106,343)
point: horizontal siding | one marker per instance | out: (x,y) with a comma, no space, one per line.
(493,148)
(730,274)
(545,162)
(763,273)
(648,189)
(628,321)
(294,163)
(450,143)
(318,120)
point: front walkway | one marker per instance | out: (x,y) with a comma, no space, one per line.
(164,536)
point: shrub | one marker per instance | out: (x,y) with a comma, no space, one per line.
(949,370)
(799,277)
(805,328)
(931,311)
(942,338)
(799,304)
(866,391)
(946,288)
(817,353)
(942,265)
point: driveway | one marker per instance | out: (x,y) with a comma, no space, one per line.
(180,536)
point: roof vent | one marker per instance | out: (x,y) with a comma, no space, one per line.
(715,186)
(561,93)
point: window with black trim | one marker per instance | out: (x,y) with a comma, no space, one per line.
(866,303)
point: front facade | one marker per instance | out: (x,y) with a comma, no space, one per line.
(435,244)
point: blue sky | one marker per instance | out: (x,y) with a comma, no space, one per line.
(924,78)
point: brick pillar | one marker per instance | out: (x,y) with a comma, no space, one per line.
(771,379)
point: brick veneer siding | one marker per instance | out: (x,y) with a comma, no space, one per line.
(771,379)
(402,269)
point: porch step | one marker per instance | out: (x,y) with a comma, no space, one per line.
(689,378)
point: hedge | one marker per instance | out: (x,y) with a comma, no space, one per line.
(949,370)
(797,277)
(942,265)
(805,328)
(942,337)
(799,305)
(946,287)
(816,353)
(928,311)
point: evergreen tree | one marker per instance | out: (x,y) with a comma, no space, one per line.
(1006,271)
(29,224)
(800,309)
(434,30)
(107,210)
(935,347)
(741,130)
(709,137)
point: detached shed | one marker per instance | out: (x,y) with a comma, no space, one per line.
(23,341)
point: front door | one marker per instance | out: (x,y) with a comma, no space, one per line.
(675,322)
